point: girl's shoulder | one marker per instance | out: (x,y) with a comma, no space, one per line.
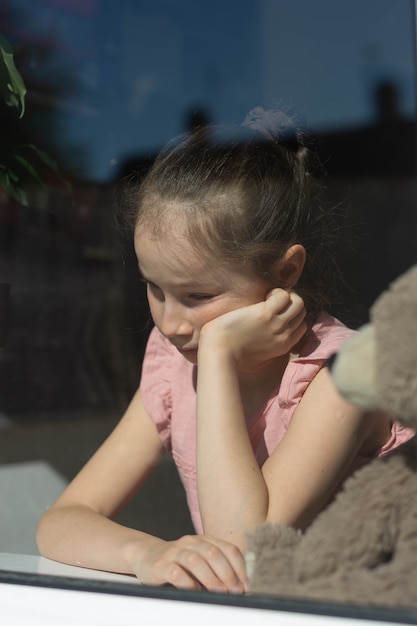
(323,340)
(160,354)
(325,337)
(163,366)
(163,375)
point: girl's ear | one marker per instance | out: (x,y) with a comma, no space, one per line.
(289,268)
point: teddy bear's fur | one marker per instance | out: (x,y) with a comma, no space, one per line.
(362,549)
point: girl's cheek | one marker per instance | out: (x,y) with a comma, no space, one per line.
(154,309)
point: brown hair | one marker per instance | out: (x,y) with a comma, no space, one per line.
(243,197)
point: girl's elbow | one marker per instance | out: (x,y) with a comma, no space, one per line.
(42,534)
(50,527)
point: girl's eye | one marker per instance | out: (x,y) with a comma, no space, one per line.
(201,296)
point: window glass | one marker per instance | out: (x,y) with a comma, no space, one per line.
(108,84)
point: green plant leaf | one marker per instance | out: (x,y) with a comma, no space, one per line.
(44,156)
(12,86)
(13,190)
(30,169)
(20,164)
(47,160)
(10,173)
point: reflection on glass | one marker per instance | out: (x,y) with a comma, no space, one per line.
(108,85)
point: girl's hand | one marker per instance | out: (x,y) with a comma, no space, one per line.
(193,562)
(255,335)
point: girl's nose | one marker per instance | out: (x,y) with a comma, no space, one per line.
(175,323)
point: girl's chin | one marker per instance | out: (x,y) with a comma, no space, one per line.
(190,355)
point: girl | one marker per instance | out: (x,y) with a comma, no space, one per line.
(233,243)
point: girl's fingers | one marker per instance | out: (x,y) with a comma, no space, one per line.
(195,562)
(298,321)
(291,318)
(228,564)
(284,303)
(298,331)
(210,567)
(279,297)
(178,576)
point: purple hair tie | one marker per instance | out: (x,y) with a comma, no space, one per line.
(272,124)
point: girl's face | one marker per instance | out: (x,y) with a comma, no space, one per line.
(185,291)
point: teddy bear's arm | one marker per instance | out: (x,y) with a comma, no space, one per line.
(391,584)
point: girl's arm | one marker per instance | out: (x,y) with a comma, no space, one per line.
(78,528)
(324,436)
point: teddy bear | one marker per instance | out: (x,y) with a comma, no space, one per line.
(362,548)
